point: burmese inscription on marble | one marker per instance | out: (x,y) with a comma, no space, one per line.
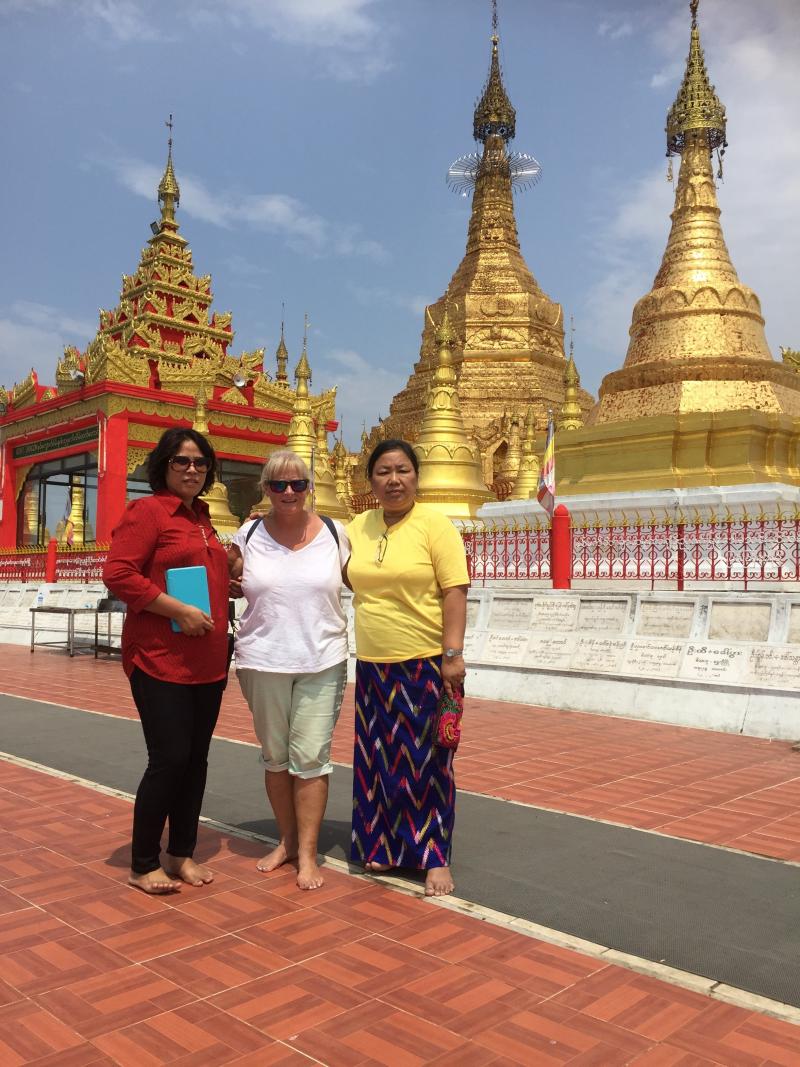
(653,659)
(665,618)
(603,654)
(508,614)
(473,640)
(738,621)
(604,615)
(508,649)
(473,607)
(555,613)
(706,662)
(776,667)
(551,651)
(794,625)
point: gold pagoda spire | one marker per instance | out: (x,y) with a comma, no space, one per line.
(571,417)
(200,422)
(301,437)
(494,115)
(697,106)
(450,475)
(527,480)
(326,496)
(169,193)
(697,339)
(341,472)
(282,358)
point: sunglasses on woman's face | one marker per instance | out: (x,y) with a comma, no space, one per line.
(183,463)
(280,485)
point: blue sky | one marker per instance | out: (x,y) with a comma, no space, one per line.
(312,138)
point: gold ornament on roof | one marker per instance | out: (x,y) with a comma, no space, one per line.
(282,358)
(169,193)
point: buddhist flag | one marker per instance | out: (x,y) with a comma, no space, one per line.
(546,490)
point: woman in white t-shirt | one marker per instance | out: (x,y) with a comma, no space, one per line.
(291,654)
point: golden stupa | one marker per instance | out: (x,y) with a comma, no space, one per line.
(450,477)
(512,351)
(699,400)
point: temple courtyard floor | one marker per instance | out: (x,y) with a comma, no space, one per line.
(628,892)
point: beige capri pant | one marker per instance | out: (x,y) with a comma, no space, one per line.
(294,716)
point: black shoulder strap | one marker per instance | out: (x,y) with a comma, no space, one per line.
(331,526)
(253,528)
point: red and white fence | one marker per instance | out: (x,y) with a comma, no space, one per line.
(736,550)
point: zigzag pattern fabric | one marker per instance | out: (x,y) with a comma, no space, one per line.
(403,786)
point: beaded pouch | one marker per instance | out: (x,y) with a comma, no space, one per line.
(447,720)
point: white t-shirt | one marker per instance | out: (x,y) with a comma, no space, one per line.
(294,622)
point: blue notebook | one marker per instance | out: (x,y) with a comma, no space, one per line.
(189,584)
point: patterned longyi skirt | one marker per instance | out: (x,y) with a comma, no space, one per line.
(403,786)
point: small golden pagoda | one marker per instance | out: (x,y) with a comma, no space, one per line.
(450,475)
(699,400)
(527,480)
(512,356)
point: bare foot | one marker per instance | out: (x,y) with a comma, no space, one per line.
(377,868)
(185,868)
(275,859)
(156,883)
(439,882)
(309,876)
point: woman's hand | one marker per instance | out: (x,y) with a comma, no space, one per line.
(453,671)
(193,622)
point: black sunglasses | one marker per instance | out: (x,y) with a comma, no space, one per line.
(183,463)
(280,485)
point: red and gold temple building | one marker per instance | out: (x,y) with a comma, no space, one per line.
(73,453)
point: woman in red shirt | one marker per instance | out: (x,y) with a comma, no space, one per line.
(177,678)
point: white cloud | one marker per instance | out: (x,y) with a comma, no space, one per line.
(302,229)
(346,33)
(751,58)
(108,20)
(365,390)
(615,28)
(34,335)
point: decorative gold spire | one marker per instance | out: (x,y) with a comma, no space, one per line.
(341,472)
(527,480)
(326,497)
(510,465)
(571,417)
(169,193)
(450,470)
(282,358)
(697,106)
(200,423)
(494,115)
(301,437)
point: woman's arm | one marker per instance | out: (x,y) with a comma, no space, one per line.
(454,611)
(235,571)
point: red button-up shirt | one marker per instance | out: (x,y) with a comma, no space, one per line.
(155,533)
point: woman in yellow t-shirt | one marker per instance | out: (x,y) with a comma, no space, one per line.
(408,573)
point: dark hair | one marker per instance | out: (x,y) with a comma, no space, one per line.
(393,444)
(167,447)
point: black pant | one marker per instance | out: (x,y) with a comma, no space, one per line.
(178,721)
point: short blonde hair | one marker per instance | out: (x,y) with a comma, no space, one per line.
(282,462)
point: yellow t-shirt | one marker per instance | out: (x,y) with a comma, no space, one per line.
(398,602)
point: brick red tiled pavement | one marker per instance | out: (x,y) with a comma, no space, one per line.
(722,789)
(252,971)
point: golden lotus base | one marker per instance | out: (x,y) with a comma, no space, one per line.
(679,451)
